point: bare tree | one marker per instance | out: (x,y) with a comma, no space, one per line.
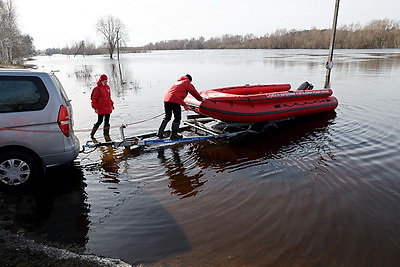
(113,32)
(8,30)
(13,45)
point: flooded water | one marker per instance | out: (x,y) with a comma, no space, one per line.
(319,191)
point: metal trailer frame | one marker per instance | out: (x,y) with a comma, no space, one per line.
(205,128)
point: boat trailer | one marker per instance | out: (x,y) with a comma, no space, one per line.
(203,128)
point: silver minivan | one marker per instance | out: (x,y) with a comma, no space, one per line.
(36,127)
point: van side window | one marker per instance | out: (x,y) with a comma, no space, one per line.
(24,93)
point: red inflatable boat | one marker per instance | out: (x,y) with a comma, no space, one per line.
(261,103)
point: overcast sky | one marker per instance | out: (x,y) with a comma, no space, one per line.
(57,23)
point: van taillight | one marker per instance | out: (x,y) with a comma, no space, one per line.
(63,120)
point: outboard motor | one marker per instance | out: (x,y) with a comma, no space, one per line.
(305,86)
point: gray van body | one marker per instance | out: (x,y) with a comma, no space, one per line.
(33,128)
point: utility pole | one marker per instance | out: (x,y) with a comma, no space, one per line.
(329,63)
(83,49)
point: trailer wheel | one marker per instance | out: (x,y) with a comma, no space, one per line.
(18,170)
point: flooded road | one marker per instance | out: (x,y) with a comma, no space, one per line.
(319,191)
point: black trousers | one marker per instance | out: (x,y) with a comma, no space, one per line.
(100,120)
(172,108)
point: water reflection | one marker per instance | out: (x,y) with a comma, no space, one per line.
(285,60)
(290,138)
(139,230)
(110,159)
(351,60)
(180,182)
(55,210)
(120,77)
(85,75)
(109,162)
(379,62)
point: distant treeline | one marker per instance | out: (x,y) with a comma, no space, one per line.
(77,49)
(376,34)
(87,49)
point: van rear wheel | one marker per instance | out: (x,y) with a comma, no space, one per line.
(18,170)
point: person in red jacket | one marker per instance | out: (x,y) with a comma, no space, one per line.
(103,106)
(173,101)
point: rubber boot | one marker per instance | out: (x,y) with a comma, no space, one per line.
(94,130)
(174,130)
(106,132)
(160,133)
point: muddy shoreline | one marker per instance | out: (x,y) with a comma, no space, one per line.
(17,250)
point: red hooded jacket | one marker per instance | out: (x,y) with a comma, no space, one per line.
(178,92)
(101,99)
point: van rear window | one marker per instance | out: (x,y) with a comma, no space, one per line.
(23,93)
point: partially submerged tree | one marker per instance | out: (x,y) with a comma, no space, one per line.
(113,32)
